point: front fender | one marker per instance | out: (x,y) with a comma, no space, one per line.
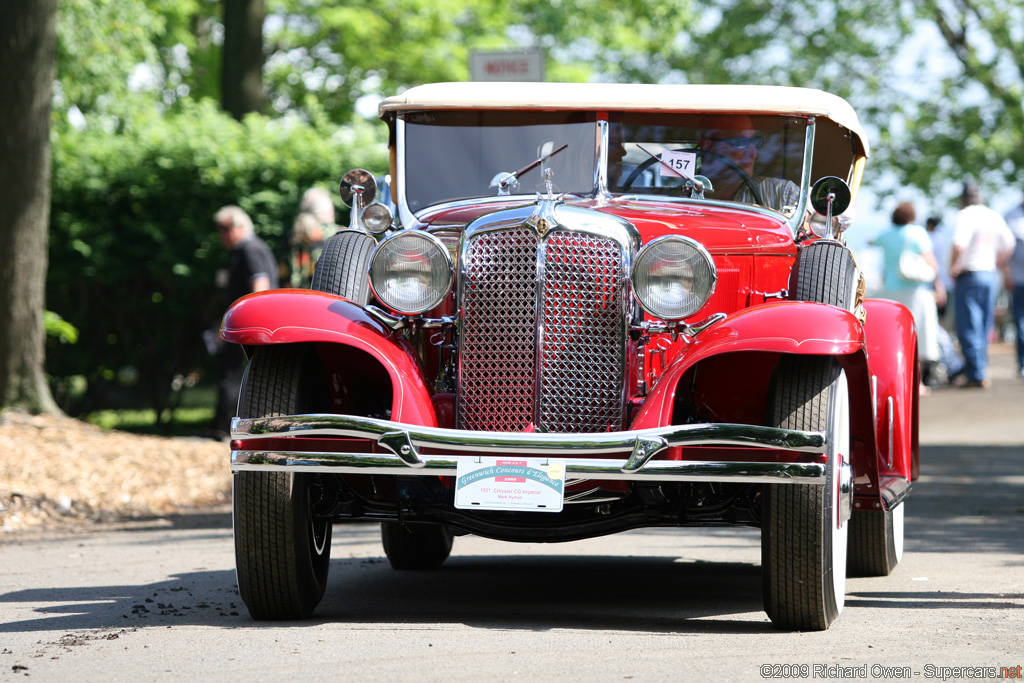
(795,327)
(892,353)
(294,316)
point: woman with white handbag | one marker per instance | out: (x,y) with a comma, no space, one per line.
(909,271)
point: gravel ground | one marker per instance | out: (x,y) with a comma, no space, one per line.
(57,472)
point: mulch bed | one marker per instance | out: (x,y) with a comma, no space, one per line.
(57,472)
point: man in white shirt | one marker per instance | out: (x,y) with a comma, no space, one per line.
(982,244)
(1014,272)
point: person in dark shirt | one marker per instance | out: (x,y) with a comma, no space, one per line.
(251,268)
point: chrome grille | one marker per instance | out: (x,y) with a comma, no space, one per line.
(578,380)
(499,323)
(582,342)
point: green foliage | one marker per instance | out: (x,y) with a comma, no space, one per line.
(61,329)
(958,111)
(100,43)
(969,119)
(341,52)
(133,252)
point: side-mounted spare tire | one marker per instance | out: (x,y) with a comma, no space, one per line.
(827,273)
(344,265)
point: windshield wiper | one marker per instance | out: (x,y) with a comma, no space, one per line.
(696,185)
(503,180)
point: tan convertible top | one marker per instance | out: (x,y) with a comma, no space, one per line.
(751,99)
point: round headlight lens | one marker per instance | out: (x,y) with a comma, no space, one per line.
(410,272)
(376,218)
(673,277)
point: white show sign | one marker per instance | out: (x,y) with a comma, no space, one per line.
(510,484)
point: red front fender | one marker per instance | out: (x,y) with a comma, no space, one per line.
(292,316)
(892,355)
(795,327)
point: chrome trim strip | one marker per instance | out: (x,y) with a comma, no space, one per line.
(602,159)
(797,219)
(405,214)
(889,417)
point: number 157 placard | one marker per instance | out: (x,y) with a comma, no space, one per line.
(678,164)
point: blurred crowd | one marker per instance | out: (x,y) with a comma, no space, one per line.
(963,283)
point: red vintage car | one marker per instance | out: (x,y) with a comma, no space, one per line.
(596,308)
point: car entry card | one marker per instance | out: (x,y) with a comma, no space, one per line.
(678,164)
(526,484)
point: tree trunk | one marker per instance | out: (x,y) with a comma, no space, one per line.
(242,61)
(28,42)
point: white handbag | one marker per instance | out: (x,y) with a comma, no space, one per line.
(914,268)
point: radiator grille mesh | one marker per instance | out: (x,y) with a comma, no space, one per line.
(581,342)
(499,323)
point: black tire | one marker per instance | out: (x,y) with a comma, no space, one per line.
(803,539)
(282,547)
(876,542)
(343,266)
(826,272)
(416,546)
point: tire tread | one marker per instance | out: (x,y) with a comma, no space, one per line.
(824,274)
(793,592)
(343,266)
(266,527)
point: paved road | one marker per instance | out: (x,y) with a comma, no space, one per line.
(158,601)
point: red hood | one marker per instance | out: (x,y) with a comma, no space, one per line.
(719,229)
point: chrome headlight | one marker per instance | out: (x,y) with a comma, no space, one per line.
(673,276)
(411,272)
(376,218)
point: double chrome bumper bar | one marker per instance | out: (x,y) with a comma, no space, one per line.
(403,443)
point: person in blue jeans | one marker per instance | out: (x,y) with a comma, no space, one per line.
(982,244)
(1015,280)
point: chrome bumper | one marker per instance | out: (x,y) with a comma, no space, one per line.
(403,441)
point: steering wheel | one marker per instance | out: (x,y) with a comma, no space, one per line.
(733,166)
(730,164)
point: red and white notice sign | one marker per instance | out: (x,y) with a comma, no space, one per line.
(516,65)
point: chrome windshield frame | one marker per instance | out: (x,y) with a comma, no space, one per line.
(410,219)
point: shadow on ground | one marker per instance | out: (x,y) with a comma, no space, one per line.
(968,498)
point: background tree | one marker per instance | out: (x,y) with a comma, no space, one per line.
(971,118)
(27,67)
(242,71)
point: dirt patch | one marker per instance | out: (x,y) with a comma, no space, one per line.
(58,472)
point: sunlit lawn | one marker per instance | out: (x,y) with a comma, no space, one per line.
(189,419)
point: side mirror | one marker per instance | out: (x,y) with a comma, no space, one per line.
(830,197)
(358,189)
(358,185)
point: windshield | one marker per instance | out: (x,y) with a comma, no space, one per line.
(463,155)
(741,158)
(459,155)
